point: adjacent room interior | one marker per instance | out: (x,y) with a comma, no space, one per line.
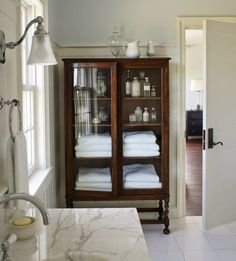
(194,121)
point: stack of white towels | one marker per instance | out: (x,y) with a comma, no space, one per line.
(140,144)
(95,179)
(94,146)
(140,176)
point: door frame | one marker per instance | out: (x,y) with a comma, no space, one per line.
(184,23)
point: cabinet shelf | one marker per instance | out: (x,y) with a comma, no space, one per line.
(92,158)
(140,98)
(94,125)
(150,124)
(141,158)
(97,99)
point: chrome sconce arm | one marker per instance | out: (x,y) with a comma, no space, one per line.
(42,53)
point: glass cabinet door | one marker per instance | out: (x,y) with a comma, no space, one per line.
(142,126)
(92,89)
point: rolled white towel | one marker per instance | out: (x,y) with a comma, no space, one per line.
(140,173)
(103,138)
(87,175)
(141,146)
(93,154)
(141,153)
(93,147)
(142,185)
(138,136)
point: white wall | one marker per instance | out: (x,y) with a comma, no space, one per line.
(90,22)
(8,74)
(8,88)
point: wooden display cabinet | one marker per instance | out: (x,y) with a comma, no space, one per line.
(95,86)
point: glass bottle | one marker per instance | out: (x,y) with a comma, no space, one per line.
(146,88)
(135,90)
(145,115)
(153,91)
(153,116)
(128,85)
(139,113)
(101,84)
(141,79)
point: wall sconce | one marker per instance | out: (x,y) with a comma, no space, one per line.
(197,85)
(41,50)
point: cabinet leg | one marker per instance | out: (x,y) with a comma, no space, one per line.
(160,210)
(166,217)
(69,203)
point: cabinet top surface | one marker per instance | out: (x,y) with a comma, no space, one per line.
(116,59)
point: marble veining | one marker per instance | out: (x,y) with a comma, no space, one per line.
(89,234)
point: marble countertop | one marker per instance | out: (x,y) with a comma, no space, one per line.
(86,234)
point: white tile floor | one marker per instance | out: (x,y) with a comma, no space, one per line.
(188,242)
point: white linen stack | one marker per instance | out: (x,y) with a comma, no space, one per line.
(140,144)
(17,170)
(140,176)
(95,179)
(94,145)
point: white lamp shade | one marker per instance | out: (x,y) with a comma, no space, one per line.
(196,85)
(41,52)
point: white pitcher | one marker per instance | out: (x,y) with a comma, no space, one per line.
(131,49)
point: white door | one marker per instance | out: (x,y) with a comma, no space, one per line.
(219,162)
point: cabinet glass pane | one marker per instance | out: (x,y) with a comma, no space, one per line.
(141,126)
(92,128)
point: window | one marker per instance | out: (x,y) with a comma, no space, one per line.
(32,79)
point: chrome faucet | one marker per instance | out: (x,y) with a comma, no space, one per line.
(32,199)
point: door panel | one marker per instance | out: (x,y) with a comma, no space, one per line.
(219,162)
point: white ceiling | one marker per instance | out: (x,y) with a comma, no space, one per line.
(193,37)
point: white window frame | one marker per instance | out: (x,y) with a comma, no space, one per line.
(42,119)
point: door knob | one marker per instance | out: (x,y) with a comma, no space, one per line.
(211,143)
(219,142)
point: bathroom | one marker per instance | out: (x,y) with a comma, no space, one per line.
(74,34)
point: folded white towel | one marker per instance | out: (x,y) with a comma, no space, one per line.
(20,160)
(141,153)
(142,185)
(140,173)
(93,186)
(87,175)
(20,167)
(141,146)
(103,138)
(10,166)
(93,154)
(93,147)
(139,136)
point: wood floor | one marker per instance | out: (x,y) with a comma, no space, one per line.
(193,177)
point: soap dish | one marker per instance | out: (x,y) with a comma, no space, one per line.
(24,227)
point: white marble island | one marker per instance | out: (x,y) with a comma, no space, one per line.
(86,235)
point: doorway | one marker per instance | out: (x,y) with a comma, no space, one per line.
(183,24)
(194,120)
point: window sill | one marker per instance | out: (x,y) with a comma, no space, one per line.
(37,180)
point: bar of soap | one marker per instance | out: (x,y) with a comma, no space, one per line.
(22,221)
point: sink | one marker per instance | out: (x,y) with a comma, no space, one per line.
(75,256)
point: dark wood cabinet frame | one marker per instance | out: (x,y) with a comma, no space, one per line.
(158,68)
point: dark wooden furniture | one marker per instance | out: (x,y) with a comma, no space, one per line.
(193,124)
(81,76)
